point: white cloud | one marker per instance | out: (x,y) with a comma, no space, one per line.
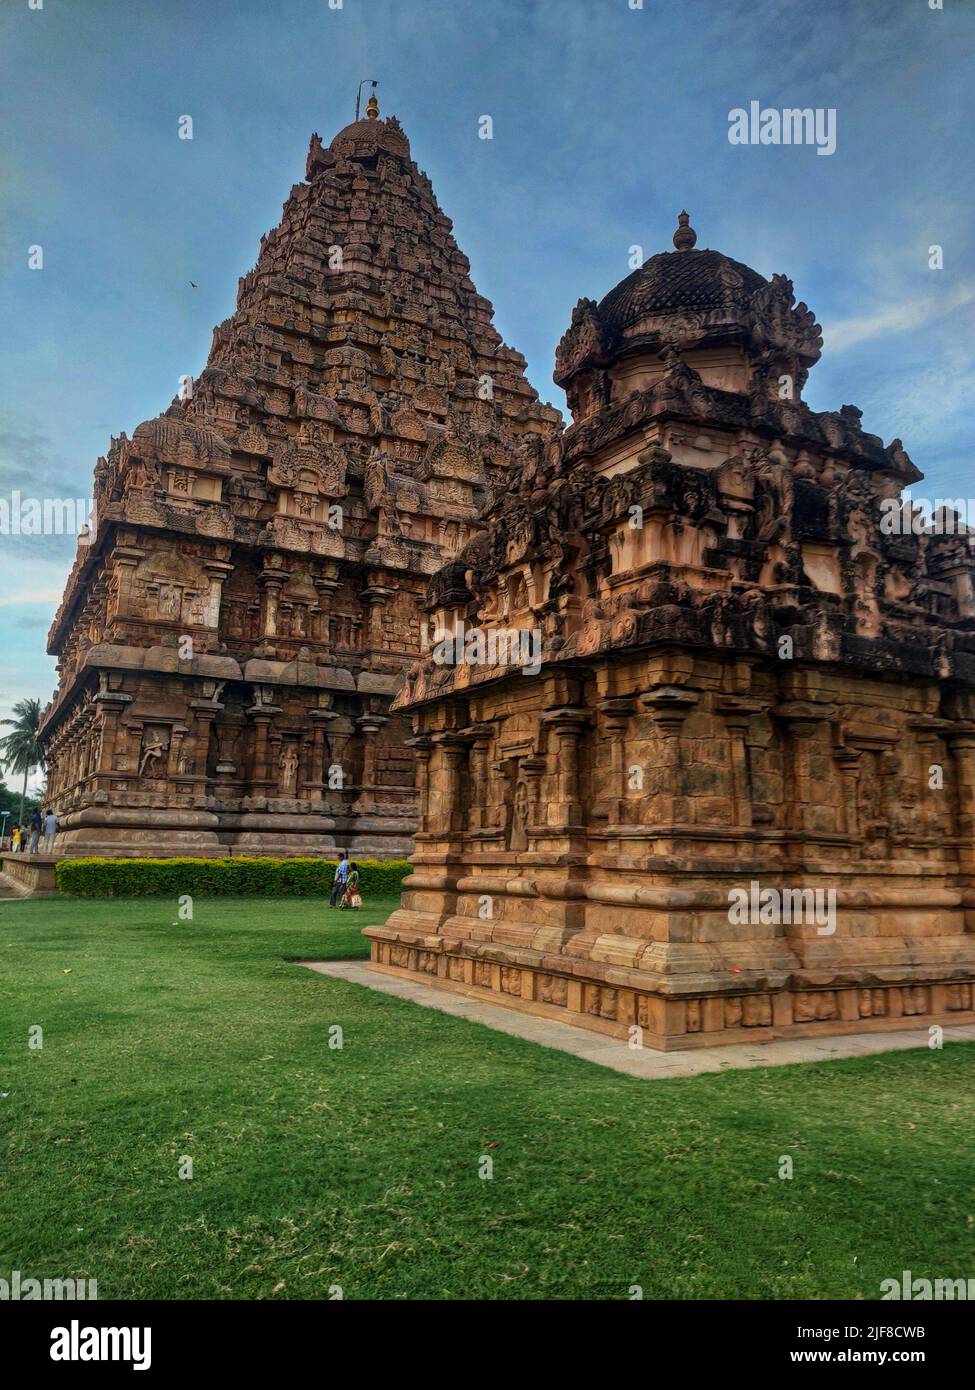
(897,318)
(30,596)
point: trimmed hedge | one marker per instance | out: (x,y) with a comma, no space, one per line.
(230,877)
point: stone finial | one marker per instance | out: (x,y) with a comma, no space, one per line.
(372,108)
(685,236)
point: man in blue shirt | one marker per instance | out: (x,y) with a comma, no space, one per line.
(341,878)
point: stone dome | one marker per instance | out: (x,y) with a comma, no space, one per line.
(673,282)
(689,299)
(370,135)
(363,140)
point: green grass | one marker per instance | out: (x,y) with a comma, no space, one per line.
(316,1167)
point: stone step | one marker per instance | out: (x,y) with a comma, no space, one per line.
(27,876)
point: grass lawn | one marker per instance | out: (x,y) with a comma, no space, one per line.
(358,1167)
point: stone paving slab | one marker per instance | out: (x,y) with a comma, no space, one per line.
(613,1052)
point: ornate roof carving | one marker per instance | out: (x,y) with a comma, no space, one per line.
(687,298)
(685,513)
(675,281)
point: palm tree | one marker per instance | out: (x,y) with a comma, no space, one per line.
(20,750)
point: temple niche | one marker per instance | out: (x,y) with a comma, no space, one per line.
(230,638)
(734,797)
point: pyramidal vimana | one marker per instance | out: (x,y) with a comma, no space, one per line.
(229,640)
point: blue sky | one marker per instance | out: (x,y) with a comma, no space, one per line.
(607,121)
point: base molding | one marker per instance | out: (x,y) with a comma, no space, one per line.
(672,1024)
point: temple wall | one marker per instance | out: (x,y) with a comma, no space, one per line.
(167,762)
(580,837)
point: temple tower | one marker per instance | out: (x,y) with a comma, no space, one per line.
(234,625)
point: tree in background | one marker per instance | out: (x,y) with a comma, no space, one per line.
(20,750)
(9,801)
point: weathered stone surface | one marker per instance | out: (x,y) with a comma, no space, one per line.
(232,632)
(737,676)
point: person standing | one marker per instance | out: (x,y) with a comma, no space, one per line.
(15,840)
(351,896)
(35,830)
(50,830)
(340,879)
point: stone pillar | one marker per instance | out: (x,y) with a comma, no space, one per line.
(848,762)
(306,758)
(226,766)
(738,711)
(62,766)
(314,781)
(669,706)
(272,581)
(326,584)
(453,750)
(125,560)
(532,770)
(111,703)
(456,752)
(339,734)
(479,736)
(217,572)
(312,786)
(206,712)
(374,600)
(801,720)
(614,724)
(261,719)
(368,726)
(422,746)
(567,726)
(962,746)
(963,582)
(53,773)
(72,757)
(275,747)
(177,733)
(795,777)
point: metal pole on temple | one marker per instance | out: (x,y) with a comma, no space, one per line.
(358,95)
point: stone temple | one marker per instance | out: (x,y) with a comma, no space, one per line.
(235,623)
(695,724)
